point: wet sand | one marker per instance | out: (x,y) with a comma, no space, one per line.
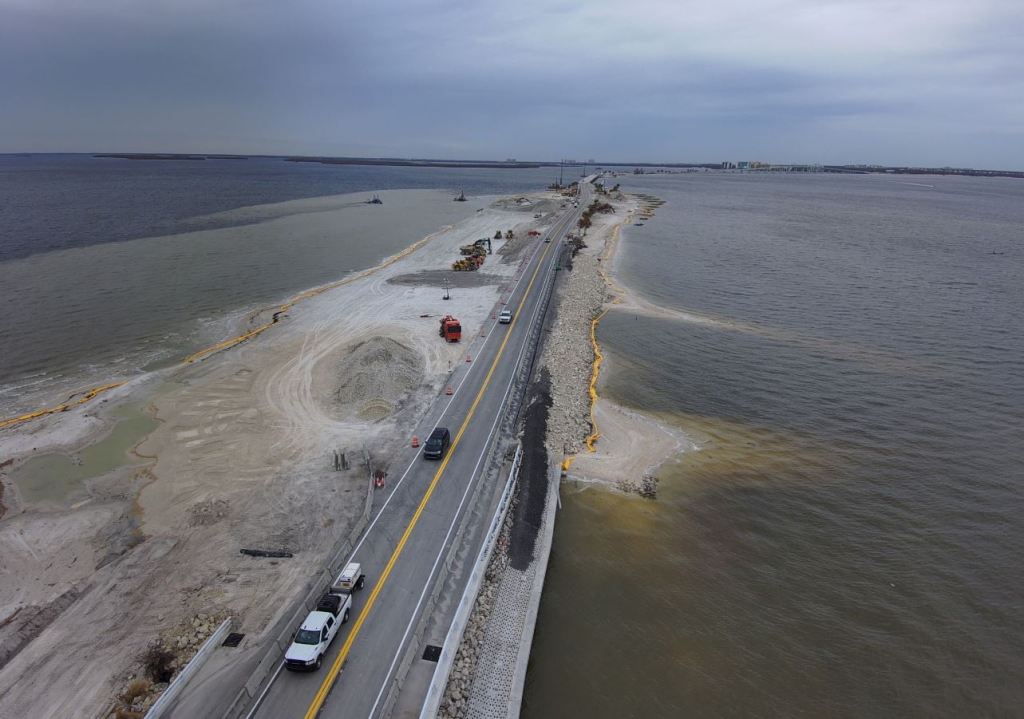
(249,430)
(602,441)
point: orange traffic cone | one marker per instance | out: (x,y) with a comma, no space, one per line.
(415,441)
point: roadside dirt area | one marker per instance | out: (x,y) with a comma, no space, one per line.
(241,457)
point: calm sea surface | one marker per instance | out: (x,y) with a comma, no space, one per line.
(848,352)
(109,266)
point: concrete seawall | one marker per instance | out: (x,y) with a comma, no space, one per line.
(489,670)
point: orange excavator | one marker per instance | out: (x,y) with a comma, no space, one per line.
(450,330)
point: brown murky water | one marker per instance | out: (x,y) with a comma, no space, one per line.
(847,542)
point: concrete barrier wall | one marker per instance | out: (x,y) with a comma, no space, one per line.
(543,554)
(248,694)
(435,693)
(166,699)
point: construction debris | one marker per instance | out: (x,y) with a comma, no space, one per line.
(276,553)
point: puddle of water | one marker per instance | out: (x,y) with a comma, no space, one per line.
(59,477)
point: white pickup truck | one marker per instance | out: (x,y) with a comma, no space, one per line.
(313,638)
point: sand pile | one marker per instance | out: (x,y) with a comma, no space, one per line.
(241,458)
(375,376)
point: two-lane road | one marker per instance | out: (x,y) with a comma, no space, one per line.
(407,540)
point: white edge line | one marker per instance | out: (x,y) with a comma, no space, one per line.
(366,534)
(455,519)
(458,513)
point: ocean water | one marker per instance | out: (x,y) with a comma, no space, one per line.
(848,353)
(111,267)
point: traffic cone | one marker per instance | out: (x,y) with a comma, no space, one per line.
(449,391)
(415,441)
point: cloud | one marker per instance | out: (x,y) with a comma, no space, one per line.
(645,80)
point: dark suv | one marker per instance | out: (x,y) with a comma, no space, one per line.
(437,443)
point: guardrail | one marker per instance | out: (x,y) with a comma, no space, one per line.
(435,693)
(453,639)
(513,408)
(164,702)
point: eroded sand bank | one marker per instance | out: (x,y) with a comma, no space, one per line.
(625,445)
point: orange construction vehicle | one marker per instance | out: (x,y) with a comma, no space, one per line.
(450,330)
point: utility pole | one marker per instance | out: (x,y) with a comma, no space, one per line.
(447,295)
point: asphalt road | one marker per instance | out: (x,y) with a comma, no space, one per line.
(407,539)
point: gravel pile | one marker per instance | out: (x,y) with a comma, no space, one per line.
(569,356)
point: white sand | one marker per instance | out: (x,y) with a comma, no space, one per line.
(252,427)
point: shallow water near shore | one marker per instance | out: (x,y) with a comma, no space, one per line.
(59,477)
(845,543)
(113,267)
(110,268)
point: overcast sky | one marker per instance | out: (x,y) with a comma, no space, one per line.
(928,82)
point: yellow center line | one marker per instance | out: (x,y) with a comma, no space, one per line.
(332,675)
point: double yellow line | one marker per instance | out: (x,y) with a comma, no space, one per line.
(332,674)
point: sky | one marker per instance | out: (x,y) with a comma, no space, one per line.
(895,82)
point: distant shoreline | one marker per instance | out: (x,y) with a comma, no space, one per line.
(165,156)
(532,165)
(389,162)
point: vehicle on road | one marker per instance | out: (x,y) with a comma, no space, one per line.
(505,317)
(318,629)
(437,443)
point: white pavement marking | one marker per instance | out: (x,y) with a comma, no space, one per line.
(263,694)
(458,513)
(380,512)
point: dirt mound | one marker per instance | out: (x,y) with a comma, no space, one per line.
(532,204)
(436,278)
(375,377)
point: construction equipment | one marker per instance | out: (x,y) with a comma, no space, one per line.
(474,256)
(475,249)
(450,329)
(468,264)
